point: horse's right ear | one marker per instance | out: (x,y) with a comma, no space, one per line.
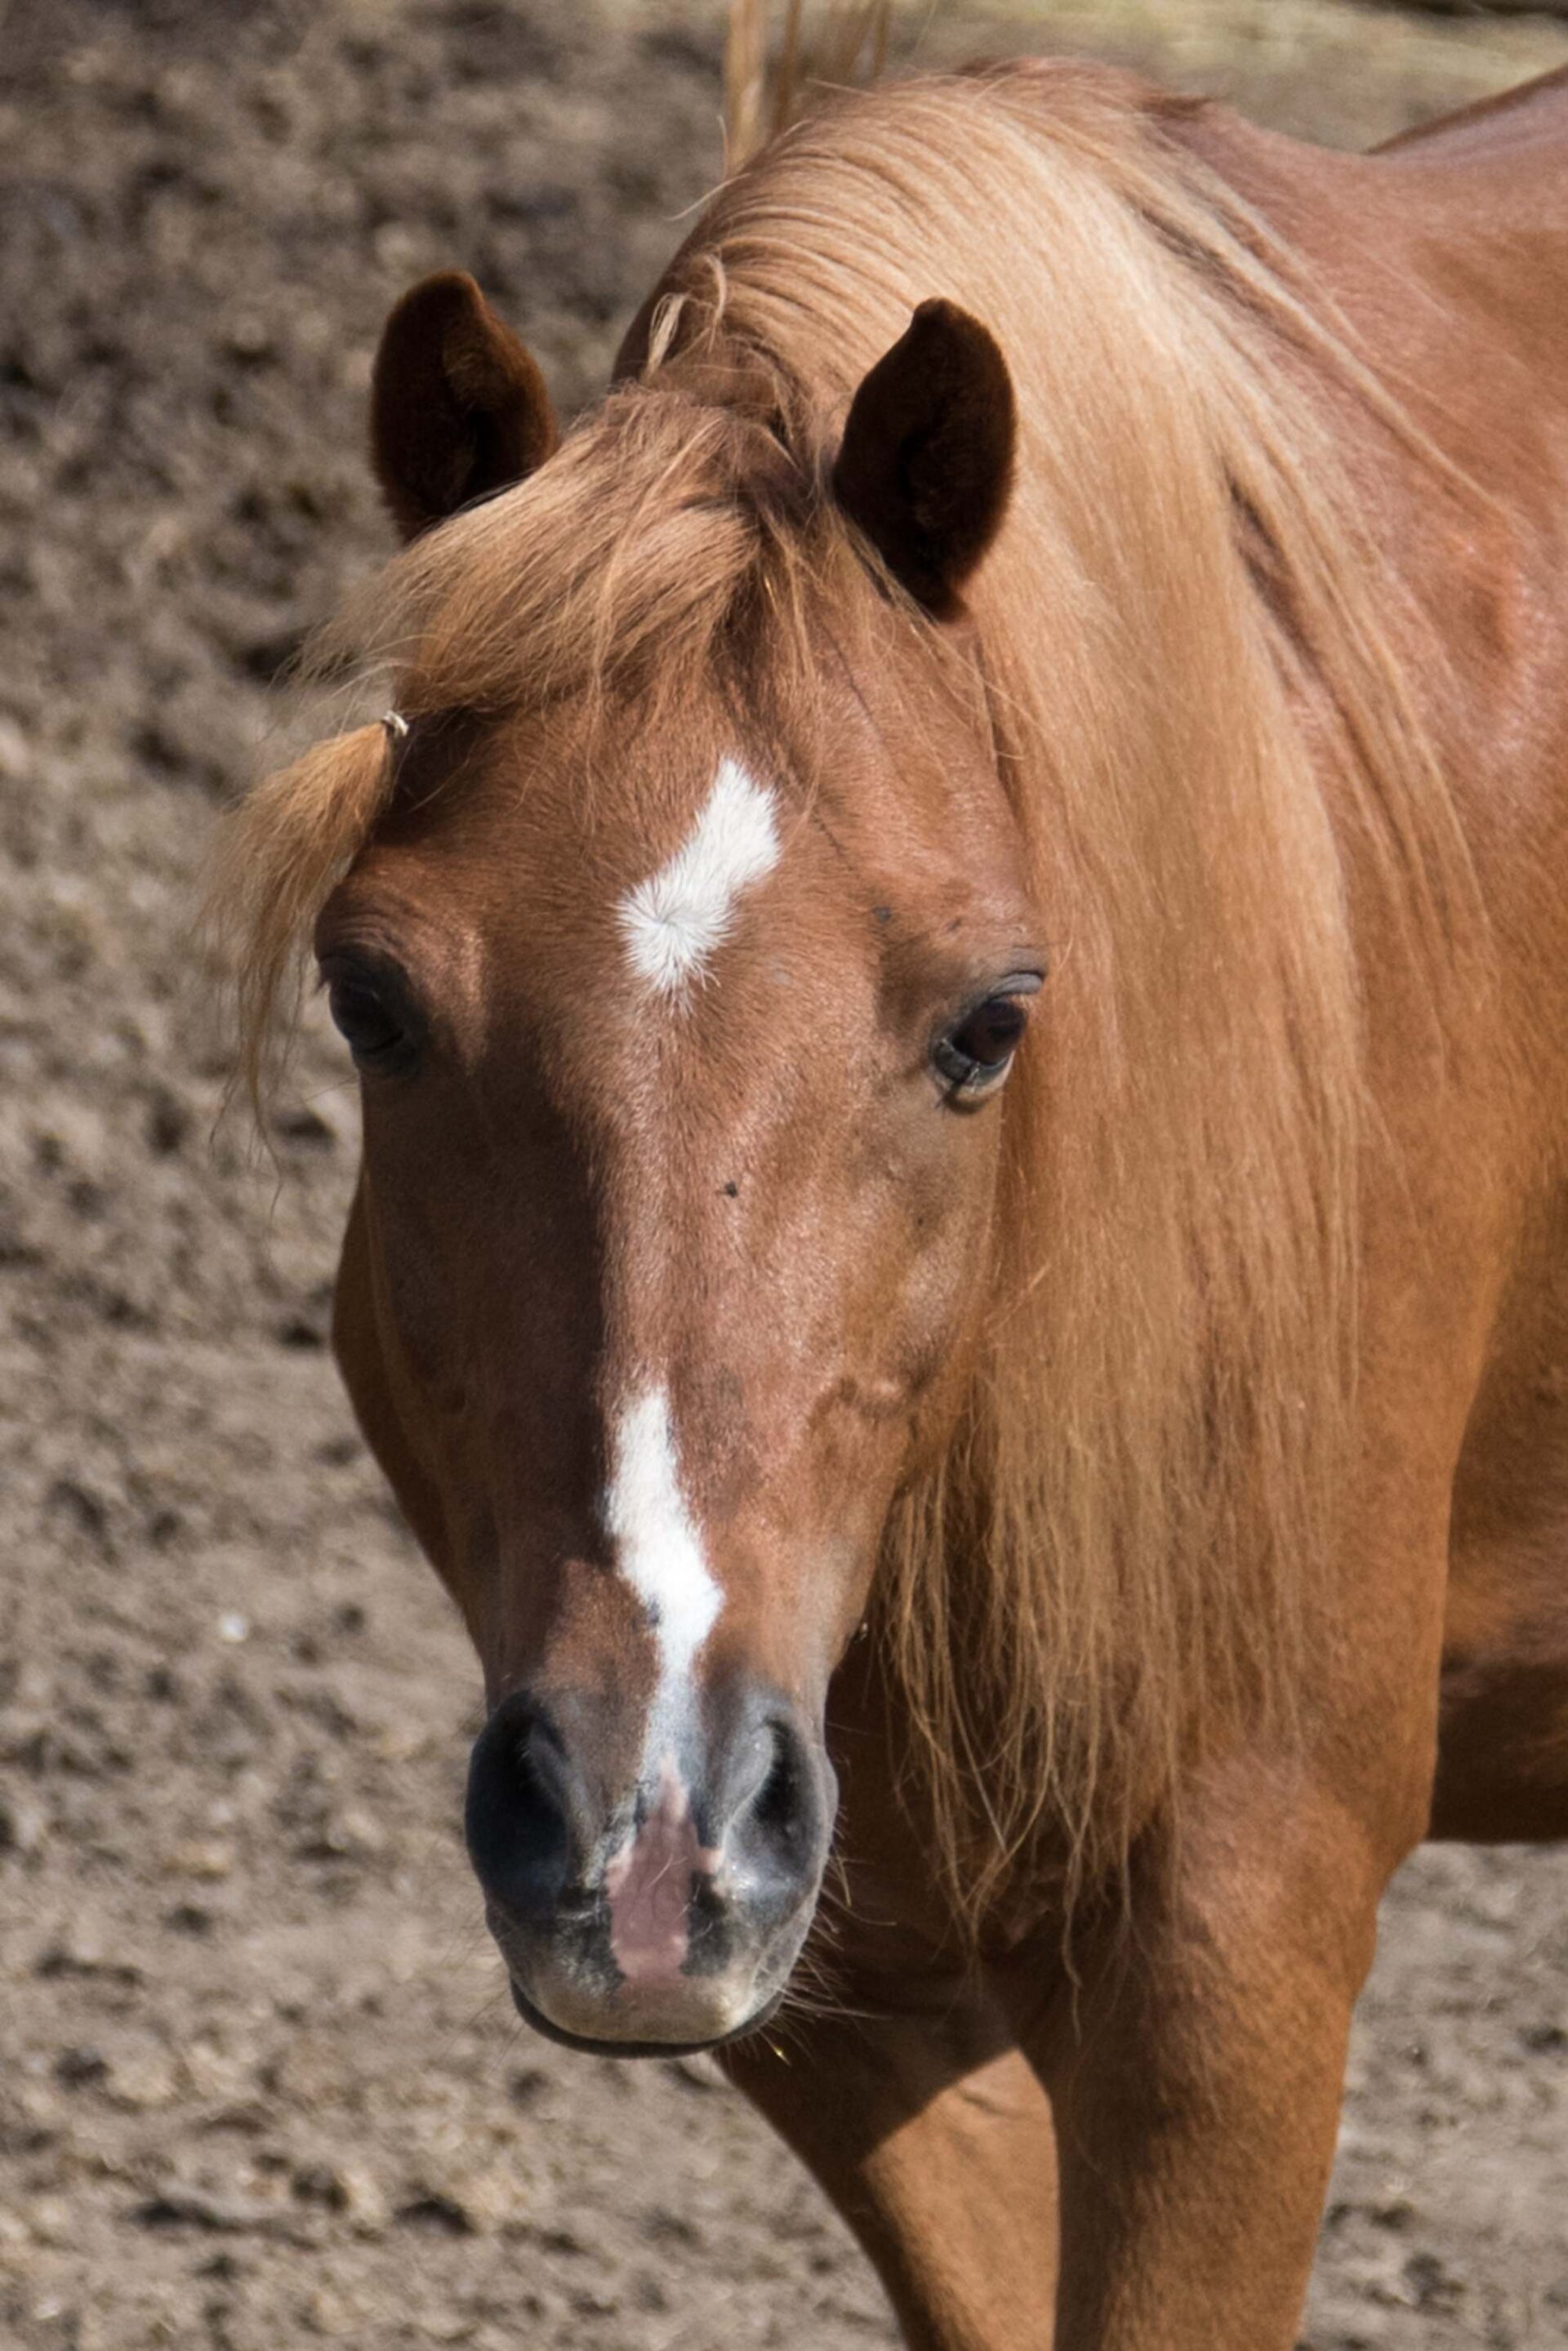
(458,408)
(925,464)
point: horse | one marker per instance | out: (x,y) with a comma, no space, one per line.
(956,950)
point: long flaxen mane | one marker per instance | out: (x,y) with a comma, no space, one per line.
(1195,665)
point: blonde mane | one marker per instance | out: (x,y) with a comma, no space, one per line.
(1196,665)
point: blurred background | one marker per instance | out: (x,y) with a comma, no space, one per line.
(260,2084)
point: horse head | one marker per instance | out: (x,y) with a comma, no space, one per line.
(683,994)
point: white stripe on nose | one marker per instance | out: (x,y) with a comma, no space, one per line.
(673,921)
(659,1550)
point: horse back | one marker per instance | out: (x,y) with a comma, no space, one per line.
(1447,254)
(1525,128)
(1471,300)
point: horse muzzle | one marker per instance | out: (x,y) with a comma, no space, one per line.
(659,1917)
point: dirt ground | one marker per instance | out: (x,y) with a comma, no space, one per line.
(259,2080)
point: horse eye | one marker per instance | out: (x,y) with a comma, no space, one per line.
(976,1055)
(370,1023)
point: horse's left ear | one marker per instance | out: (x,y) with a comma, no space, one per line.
(458,407)
(926,459)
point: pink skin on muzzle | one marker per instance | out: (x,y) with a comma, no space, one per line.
(649,1883)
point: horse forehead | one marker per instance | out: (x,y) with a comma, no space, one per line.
(675,919)
(642,921)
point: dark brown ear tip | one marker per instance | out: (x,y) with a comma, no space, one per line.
(429,310)
(937,311)
(458,407)
(937,314)
(443,316)
(966,339)
(925,464)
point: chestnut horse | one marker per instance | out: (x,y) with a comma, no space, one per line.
(957,954)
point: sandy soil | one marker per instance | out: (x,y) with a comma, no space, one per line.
(259,2083)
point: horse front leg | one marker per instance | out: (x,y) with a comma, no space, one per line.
(930,2131)
(1195,2069)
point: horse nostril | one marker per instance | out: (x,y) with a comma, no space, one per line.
(516,1816)
(776,1807)
(776,1829)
